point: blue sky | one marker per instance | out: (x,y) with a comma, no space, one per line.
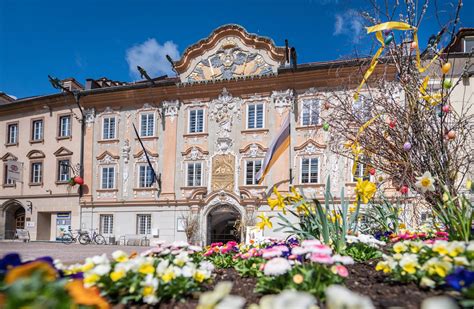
(91,39)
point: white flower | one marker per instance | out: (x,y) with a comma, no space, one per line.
(231,302)
(101,269)
(276,267)
(206,265)
(181,259)
(470,247)
(427,283)
(180,244)
(195,248)
(288,299)
(338,297)
(299,250)
(119,254)
(100,259)
(425,182)
(346,260)
(188,270)
(162,266)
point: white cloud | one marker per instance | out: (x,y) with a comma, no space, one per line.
(349,23)
(151,56)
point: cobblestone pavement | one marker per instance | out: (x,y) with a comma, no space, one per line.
(68,254)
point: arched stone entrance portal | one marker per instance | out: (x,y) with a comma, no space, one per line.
(222,224)
(13,215)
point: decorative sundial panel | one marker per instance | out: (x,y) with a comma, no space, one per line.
(230,58)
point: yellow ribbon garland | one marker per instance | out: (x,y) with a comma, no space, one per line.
(393,25)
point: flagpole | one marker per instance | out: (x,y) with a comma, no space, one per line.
(289,150)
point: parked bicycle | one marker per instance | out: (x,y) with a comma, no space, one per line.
(81,236)
(95,237)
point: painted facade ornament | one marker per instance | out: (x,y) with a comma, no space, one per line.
(223,172)
(171,108)
(225,107)
(195,154)
(90,116)
(126,151)
(107,160)
(224,145)
(282,100)
(254,152)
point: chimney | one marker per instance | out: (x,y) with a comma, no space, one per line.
(72,84)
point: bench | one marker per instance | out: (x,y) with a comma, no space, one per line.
(133,240)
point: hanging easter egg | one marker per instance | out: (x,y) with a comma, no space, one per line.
(451,135)
(327,105)
(79,180)
(71,181)
(388,39)
(392,124)
(326,126)
(387,32)
(407,146)
(447,83)
(372,171)
(404,189)
(446,108)
(414,45)
(446,67)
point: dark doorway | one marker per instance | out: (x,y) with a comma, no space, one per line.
(14,219)
(222,225)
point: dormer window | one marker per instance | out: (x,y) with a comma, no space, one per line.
(468,44)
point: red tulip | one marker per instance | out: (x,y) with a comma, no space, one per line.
(404,190)
(372,171)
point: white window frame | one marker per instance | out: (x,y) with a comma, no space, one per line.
(6,180)
(196,122)
(254,181)
(65,130)
(114,180)
(362,168)
(311,102)
(12,134)
(108,134)
(153,116)
(194,182)
(60,170)
(37,134)
(467,38)
(139,178)
(36,172)
(309,170)
(147,224)
(106,224)
(255,116)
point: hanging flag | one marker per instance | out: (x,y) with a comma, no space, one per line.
(156,178)
(14,170)
(278,146)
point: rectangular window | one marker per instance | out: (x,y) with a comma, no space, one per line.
(196,121)
(361,172)
(107,224)
(6,180)
(309,170)
(194,177)
(13,133)
(36,172)
(310,113)
(255,116)
(108,177)
(252,168)
(146,177)
(108,128)
(147,124)
(144,224)
(63,170)
(37,133)
(468,44)
(65,126)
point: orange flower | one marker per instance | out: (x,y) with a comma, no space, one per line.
(26,270)
(85,296)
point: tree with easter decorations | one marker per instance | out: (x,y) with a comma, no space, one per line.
(404,123)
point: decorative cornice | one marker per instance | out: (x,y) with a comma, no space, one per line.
(190,149)
(107,153)
(35,154)
(141,153)
(310,147)
(9,156)
(253,147)
(63,151)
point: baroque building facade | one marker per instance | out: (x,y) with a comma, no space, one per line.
(206,132)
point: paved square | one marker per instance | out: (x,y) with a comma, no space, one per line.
(68,254)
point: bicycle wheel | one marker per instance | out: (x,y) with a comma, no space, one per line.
(84,239)
(99,239)
(67,239)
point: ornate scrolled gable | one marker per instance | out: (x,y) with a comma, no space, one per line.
(195,153)
(107,158)
(35,154)
(253,150)
(141,157)
(229,52)
(310,147)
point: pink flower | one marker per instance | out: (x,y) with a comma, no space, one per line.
(321,258)
(320,249)
(271,253)
(292,257)
(231,244)
(340,270)
(310,242)
(208,253)
(216,244)
(442,234)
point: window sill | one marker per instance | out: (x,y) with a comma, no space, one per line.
(192,187)
(106,141)
(35,184)
(60,183)
(145,189)
(145,138)
(36,141)
(252,131)
(9,145)
(106,190)
(304,185)
(309,127)
(8,185)
(60,138)
(199,134)
(252,187)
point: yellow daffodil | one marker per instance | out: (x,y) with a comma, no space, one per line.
(365,190)
(265,222)
(279,202)
(296,197)
(117,275)
(425,182)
